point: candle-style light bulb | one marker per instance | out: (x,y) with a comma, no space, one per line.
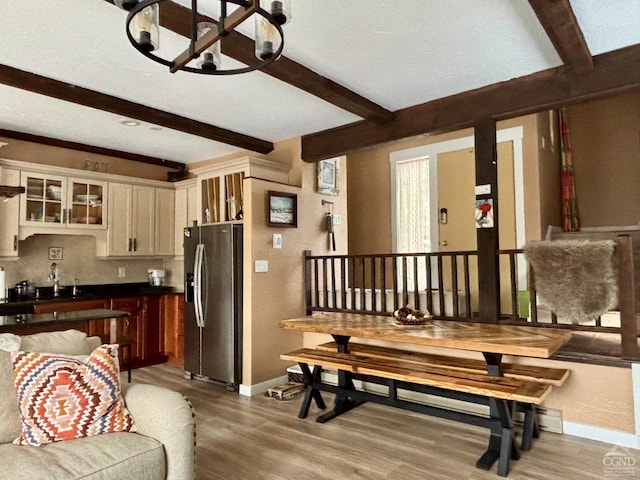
(211,59)
(145,28)
(266,38)
(281,11)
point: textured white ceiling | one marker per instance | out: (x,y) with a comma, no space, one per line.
(397,53)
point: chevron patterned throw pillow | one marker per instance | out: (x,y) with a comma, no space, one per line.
(62,397)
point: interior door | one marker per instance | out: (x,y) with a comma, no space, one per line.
(456,194)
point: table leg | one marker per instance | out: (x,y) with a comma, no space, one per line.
(342,401)
(310,392)
(502,445)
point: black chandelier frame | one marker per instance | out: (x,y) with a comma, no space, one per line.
(141,5)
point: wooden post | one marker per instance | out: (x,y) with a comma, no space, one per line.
(626,297)
(488,266)
(307,281)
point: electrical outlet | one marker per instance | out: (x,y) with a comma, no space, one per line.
(337,219)
(122,272)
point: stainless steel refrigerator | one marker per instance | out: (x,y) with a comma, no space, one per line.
(213,303)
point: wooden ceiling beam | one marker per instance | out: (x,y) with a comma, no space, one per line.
(90,98)
(613,72)
(54,142)
(560,23)
(177,18)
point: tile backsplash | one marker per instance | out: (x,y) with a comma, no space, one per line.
(78,261)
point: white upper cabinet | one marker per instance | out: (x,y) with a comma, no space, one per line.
(9,215)
(57,202)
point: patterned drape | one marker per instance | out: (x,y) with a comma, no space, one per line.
(570,220)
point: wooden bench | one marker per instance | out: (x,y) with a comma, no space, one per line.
(502,392)
(483,385)
(545,375)
(551,376)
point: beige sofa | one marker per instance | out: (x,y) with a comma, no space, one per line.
(163,447)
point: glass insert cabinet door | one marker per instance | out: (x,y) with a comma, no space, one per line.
(85,203)
(62,202)
(43,202)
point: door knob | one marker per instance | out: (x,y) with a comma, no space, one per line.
(444,243)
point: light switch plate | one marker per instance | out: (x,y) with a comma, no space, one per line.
(262,266)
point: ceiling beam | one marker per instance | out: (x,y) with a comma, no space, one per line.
(101,101)
(177,18)
(613,72)
(560,23)
(54,142)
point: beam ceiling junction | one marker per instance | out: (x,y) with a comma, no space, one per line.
(32,82)
(177,18)
(613,72)
(560,23)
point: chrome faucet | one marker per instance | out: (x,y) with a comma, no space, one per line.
(75,291)
(54,276)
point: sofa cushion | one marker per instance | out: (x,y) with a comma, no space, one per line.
(62,397)
(68,342)
(105,457)
(9,413)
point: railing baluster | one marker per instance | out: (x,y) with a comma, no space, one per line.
(383,289)
(343,281)
(373,284)
(440,286)
(454,285)
(514,286)
(316,277)
(352,273)
(467,286)
(405,281)
(325,282)
(533,297)
(416,289)
(394,267)
(334,293)
(429,284)
(363,304)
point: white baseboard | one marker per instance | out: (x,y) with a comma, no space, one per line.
(613,437)
(251,390)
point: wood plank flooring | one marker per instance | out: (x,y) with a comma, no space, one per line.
(240,438)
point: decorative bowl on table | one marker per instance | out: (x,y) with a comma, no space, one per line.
(408,316)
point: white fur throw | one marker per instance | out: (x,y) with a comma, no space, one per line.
(576,279)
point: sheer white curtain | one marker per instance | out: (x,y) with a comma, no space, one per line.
(413,216)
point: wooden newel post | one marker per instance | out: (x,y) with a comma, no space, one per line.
(307,281)
(626,297)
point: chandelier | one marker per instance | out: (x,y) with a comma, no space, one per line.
(143,31)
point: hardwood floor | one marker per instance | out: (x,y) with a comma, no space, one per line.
(240,438)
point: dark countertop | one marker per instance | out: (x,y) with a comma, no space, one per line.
(8,322)
(85,292)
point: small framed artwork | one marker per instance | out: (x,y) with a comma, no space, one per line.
(55,253)
(282,209)
(328,176)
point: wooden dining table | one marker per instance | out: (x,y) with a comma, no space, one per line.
(493,341)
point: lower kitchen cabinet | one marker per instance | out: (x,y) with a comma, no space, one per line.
(131,328)
(173,316)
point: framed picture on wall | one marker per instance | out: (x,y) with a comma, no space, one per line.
(328,176)
(282,209)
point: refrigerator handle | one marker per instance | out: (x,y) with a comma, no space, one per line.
(197,285)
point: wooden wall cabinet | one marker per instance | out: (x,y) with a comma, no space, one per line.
(10,215)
